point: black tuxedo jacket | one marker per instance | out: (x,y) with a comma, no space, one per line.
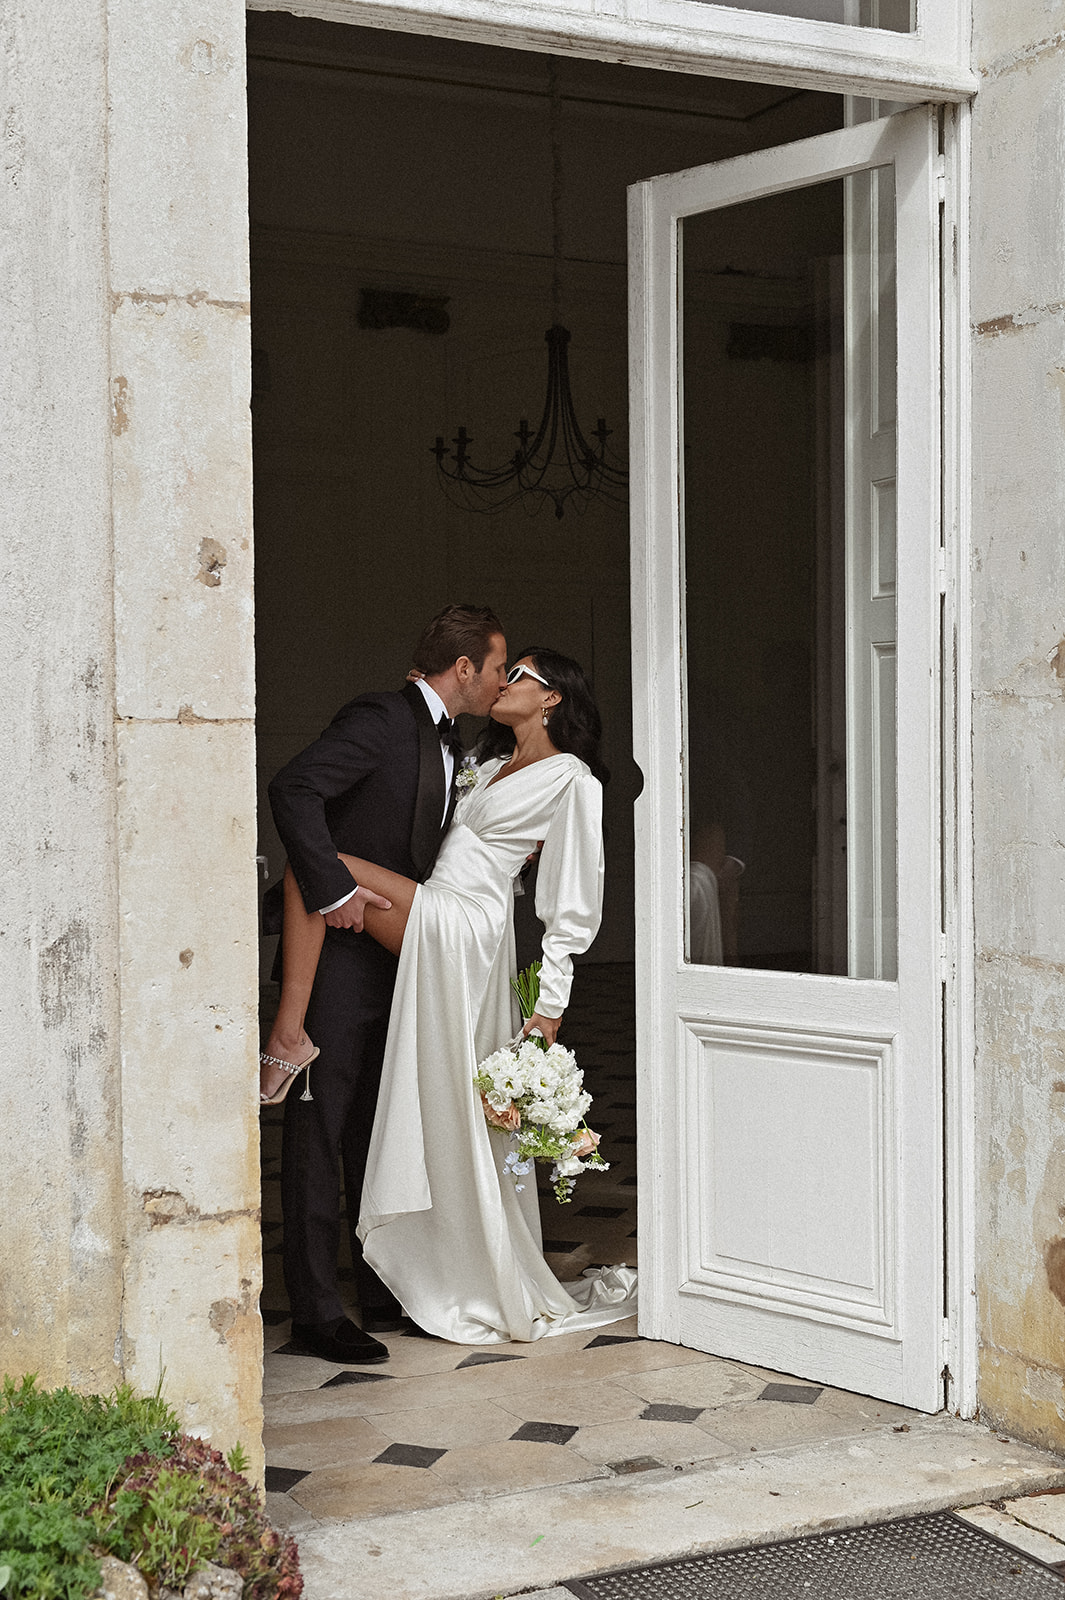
(373,786)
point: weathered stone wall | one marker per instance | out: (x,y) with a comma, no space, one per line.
(1018,255)
(60,1222)
(184,695)
(129,1240)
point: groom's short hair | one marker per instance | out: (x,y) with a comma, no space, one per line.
(456,631)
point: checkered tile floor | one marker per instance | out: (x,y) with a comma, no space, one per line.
(442,1423)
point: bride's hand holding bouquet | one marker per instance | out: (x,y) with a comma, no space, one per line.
(534,1090)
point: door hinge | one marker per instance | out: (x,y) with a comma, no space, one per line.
(941,570)
(941,180)
(944,959)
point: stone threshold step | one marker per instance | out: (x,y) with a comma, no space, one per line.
(510,1544)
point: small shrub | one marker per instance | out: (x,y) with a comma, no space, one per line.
(168,1516)
(59,1452)
(83,1475)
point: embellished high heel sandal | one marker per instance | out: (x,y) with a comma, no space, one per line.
(292,1070)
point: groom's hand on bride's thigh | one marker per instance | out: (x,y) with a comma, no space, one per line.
(351,913)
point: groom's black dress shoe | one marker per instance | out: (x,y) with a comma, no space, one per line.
(339,1341)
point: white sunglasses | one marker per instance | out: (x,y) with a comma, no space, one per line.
(515,673)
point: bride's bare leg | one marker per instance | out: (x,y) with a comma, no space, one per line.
(303,936)
(302,939)
(387,927)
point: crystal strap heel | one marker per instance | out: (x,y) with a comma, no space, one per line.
(292,1070)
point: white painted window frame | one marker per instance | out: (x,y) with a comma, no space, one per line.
(932,63)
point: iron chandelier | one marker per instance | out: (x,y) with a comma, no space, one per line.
(557,463)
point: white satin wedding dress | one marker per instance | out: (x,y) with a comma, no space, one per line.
(442,1222)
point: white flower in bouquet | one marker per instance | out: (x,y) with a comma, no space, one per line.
(535,1091)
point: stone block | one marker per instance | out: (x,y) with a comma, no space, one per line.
(188,971)
(191,1321)
(1027,1400)
(177,214)
(211,1582)
(1018,241)
(1019,757)
(120,1581)
(1045,1512)
(182,509)
(1018,510)
(1006,37)
(1013,1532)
(60,1193)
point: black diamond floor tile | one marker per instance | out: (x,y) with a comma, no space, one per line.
(601,1211)
(273,1319)
(546,1432)
(561,1247)
(484,1358)
(921,1558)
(612,1338)
(635,1464)
(793,1394)
(279,1480)
(343,1378)
(659,1412)
(409,1455)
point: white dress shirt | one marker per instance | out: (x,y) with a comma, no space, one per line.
(437,709)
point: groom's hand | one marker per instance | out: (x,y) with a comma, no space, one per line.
(351,913)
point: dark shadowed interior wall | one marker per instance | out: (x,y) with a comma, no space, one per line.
(392,162)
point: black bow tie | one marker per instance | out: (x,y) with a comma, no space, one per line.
(448,736)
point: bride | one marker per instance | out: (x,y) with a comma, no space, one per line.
(443,1222)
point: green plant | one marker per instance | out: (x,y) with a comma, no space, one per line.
(167,1516)
(64,1445)
(59,1452)
(45,1549)
(81,1475)
(237,1459)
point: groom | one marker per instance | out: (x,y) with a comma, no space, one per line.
(379,784)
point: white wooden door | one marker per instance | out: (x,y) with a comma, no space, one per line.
(790,1162)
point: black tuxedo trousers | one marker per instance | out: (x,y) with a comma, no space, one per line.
(348,1021)
(372,786)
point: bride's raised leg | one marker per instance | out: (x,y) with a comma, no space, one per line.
(301,945)
(302,939)
(387,927)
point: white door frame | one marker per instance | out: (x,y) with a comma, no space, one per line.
(689,36)
(694,36)
(654,689)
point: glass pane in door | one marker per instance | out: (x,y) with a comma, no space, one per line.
(896,16)
(788,503)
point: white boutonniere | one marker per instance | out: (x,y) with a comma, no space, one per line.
(467,775)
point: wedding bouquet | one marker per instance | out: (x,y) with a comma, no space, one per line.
(535,1092)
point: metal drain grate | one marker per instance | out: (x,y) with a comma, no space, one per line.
(922,1558)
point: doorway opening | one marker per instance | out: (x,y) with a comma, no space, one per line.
(401,260)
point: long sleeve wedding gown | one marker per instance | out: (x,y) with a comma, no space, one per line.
(442,1222)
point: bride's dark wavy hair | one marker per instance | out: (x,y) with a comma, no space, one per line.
(574,725)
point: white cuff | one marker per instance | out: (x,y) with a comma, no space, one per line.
(336,903)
